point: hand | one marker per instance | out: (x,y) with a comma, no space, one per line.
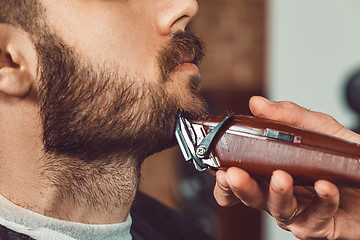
(308,212)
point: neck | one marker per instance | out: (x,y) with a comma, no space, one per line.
(96,192)
(99,192)
(102,189)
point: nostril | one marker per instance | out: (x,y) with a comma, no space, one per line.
(7,61)
(175,15)
(180,24)
(182,18)
(11,62)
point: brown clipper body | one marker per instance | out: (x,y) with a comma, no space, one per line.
(261,146)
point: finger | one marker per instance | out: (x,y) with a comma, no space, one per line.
(281,111)
(281,201)
(317,221)
(293,114)
(222,191)
(326,204)
(246,188)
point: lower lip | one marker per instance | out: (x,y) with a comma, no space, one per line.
(188,67)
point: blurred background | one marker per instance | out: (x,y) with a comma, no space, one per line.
(306,51)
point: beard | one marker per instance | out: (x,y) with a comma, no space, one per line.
(91,112)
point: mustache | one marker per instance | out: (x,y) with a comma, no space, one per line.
(183,47)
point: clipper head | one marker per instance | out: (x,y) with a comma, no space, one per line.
(187,139)
(197,146)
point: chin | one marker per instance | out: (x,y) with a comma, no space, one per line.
(185,90)
(195,109)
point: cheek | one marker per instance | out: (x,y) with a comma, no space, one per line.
(110,35)
(133,56)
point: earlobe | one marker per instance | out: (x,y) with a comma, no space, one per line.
(16,62)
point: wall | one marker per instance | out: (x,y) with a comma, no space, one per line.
(234,32)
(314,45)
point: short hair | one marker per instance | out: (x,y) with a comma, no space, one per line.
(20,13)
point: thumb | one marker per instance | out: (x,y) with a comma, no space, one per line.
(293,114)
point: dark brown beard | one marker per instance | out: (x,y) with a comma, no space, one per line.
(98,126)
(90,114)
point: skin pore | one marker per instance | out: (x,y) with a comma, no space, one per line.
(105,96)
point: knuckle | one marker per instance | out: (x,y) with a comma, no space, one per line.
(327,118)
(287,105)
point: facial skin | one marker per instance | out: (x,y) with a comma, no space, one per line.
(108,91)
(91,112)
(118,44)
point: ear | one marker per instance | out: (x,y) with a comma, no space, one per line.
(17,62)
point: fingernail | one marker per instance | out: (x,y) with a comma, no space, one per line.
(275,185)
(320,193)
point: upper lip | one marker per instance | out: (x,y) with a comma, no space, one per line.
(188,58)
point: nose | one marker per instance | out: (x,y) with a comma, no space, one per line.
(174,15)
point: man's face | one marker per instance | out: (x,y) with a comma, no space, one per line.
(111,77)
